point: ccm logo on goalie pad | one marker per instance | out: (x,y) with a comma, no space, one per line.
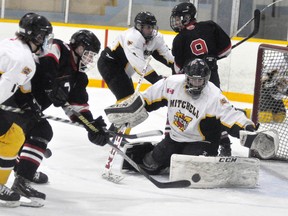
(227,159)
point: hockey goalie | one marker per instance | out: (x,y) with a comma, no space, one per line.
(196,111)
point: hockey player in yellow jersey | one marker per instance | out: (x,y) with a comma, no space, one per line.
(17,67)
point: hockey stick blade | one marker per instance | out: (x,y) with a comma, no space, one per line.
(112,177)
(173,184)
(139,135)
(257,14)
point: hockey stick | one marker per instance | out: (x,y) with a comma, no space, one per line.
(118,139)
(66,121)
(256,19)
(107,174)
(249,21)
(173,184)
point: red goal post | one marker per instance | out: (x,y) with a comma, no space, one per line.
(271,94)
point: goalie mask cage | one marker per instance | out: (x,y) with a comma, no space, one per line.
(271,94)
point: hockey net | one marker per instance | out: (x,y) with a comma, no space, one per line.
(271,94)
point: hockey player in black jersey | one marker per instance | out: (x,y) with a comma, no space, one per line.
(60,80)
(205,40)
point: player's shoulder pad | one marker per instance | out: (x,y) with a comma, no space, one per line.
(134,37)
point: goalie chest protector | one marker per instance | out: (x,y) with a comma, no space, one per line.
(215,172)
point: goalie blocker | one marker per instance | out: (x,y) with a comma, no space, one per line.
(130,111)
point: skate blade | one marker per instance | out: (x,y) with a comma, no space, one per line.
(32,202)
(9,204)
(112,177)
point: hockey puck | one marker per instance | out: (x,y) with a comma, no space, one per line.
(47,153)
(196,177)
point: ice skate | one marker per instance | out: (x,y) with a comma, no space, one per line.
(225,150)
(23,187)
(8,198)
(40,178)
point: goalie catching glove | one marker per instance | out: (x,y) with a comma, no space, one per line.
(130,111)
(265,143)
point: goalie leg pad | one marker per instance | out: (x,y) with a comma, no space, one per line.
(265,143)
(215,172)
(131,111)
(136,151)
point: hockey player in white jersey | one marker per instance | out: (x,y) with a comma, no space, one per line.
(127,55)
(196,111)
(17,67)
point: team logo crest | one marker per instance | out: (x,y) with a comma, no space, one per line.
(26,70)
(181,121)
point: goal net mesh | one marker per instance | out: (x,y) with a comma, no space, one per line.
(271,93)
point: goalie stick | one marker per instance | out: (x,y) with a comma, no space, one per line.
(66,121)
(107,174)
(172,184)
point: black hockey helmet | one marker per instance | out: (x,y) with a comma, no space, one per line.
(181,15)
(86,46)
(146,23)
(86,39)
(197,74)
(37,29)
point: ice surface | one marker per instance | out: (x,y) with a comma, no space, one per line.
(77,188)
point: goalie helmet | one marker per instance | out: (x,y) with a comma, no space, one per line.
(37,29)
(86,46)
(146,24)
(181,15)
(197,74)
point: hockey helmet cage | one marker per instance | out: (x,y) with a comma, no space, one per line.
(37,29)
(146,23)
(197,74)
(90,45)
(181,15)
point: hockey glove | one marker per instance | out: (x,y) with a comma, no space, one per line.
(250,127)
(60,91)
(57,96)
(32,108)
(101,137)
